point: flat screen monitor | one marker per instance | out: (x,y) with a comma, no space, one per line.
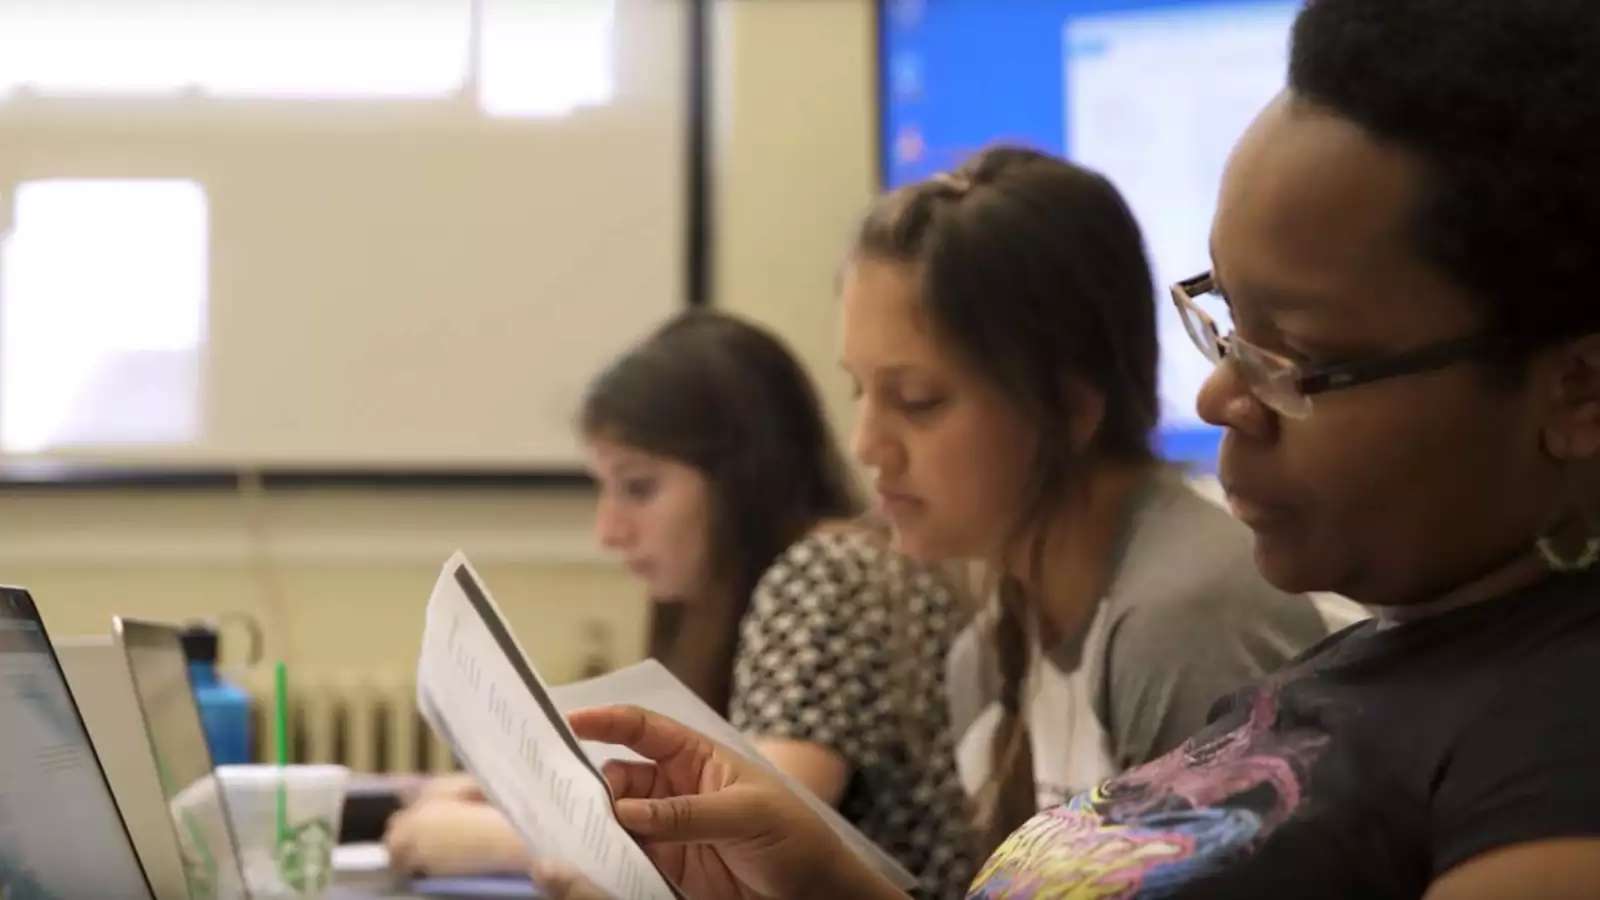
(1151,93)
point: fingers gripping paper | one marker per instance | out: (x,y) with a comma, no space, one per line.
(480,694)
(650,685)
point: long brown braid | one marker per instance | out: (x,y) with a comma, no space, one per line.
(1032,271)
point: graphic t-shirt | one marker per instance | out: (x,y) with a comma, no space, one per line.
(1368,768)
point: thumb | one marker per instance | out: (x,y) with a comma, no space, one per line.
(698,818)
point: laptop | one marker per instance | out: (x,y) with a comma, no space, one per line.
(61,833)
(97,673)
(182,760)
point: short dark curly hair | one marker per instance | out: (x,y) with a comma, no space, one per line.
(1500,100)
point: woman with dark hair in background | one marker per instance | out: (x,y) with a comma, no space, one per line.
(721,489)
(1405,239)
(999,322)
(712,457)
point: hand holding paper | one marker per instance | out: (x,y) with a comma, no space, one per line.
(718,819)
(648,684)
(476,689)
(719,824)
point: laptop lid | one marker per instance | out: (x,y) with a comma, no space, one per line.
(177,741)
(61,834)
(97,673)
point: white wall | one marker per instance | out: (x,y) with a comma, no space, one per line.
(795,99)
(337,578)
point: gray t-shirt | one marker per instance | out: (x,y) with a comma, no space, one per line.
(1187,619)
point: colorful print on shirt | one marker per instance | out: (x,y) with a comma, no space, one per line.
(1168,823)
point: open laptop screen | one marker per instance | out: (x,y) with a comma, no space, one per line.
(183,761)
(60,833)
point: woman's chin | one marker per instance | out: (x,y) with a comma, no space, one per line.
(1288,566)
(899,543)
(920,546)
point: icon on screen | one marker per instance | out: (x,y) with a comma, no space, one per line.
(907,13)
(909,146)
(905,76)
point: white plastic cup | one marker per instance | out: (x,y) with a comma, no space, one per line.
(300,864)
(203,838)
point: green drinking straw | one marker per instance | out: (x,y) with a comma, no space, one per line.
(281,721)
(297,847)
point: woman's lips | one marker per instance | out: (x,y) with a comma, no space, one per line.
(1255,513)
(898,501)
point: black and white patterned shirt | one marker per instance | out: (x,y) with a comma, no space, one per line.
(844,646)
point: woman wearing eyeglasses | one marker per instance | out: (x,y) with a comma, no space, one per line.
(1411,394)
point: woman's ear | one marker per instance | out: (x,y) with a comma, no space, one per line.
(1088,405)
(1572,433)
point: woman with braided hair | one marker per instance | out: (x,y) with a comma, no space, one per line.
(999,326)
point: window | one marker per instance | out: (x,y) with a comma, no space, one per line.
(531,58)
(541,59)
(103,287)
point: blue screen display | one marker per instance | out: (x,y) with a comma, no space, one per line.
(1150,92)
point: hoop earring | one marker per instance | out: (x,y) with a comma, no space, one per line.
(1562,560)
(1583,562)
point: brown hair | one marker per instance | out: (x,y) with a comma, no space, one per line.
(727,398)
(1033,270)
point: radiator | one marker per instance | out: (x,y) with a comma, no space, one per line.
(367,720)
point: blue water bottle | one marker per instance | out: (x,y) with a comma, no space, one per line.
(224,707)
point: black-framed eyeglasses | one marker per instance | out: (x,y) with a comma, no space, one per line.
(1284,385)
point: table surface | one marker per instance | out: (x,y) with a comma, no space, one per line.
(367,887)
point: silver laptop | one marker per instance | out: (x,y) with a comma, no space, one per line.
(61,834)
(97,671)
(177,742)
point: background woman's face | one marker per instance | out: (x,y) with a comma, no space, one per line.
(1390,491)
(655,514)
(948,454)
